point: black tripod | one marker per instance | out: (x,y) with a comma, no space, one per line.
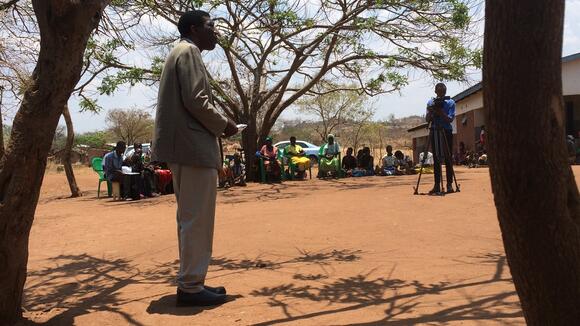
(441,152)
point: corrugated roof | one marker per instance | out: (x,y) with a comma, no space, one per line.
(421,126)
(470,91)
(571,57)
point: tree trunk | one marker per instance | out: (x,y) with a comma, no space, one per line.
(64,27)
(1,124)
(534,189)
(68,169)
(250,145)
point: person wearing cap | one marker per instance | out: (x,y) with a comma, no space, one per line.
(269,153)
(329,163)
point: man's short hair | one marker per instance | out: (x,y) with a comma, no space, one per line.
(194,17)
(120,144)
(441,85)
(292,138)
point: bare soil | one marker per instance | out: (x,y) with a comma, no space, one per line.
(361,251)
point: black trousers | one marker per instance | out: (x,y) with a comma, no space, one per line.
(442,150)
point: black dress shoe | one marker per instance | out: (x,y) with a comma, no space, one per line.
(216,290)
(199,299)
(450,189)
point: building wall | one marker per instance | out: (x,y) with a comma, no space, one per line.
(466,130)
(419,144)
(571,78)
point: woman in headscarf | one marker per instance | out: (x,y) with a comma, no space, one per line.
(269,153)
(329,163)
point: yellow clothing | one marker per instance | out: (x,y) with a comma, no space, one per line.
(301,162)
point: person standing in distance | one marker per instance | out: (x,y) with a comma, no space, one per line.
(442,118)
(187,127)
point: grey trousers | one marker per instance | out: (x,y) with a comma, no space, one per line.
(195,191)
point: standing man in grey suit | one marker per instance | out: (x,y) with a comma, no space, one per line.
(187,127)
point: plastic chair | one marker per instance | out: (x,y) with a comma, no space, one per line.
(338,161)
(292,168)
(97,165)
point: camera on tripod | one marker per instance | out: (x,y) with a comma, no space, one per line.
(438,103)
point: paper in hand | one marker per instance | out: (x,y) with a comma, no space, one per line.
(241,127)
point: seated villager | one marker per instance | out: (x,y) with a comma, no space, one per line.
(269,153)
(238,169)
(298,157)
(349,162)
(329,163)
(404,164)
(460,156)
(162,178)
(144,179)
(389,162)
(225,175)
(113,170)
(365,164)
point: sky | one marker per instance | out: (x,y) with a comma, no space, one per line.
(410,100)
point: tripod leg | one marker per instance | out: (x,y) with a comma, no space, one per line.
(449,157)
(423,161)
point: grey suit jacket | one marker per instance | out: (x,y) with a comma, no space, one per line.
(187,125)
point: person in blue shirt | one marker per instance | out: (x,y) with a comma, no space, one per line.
(440,117)
(113,162)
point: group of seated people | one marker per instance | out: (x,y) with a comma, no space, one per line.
(363,164)
(137,176)
(470,158)
(329,162)
(293,152)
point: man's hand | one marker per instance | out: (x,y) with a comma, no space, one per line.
(231,129)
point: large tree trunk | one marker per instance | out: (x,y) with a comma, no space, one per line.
(65,27)
(1,124)
(67,162)
(535,193)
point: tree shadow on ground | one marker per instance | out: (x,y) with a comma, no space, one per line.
(76,285)
(400,297)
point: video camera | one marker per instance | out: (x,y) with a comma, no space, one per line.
(438,103)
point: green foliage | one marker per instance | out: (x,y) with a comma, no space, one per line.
(95,139)
(87,104)
(110,83)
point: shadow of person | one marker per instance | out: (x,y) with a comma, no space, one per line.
(166,305)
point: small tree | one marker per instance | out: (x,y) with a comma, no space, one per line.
(130,125)
(332,108)
(64,28)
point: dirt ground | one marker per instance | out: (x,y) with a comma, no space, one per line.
(361,251)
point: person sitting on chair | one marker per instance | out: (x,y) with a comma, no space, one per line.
(349,162)
(239,170)
(144,181)
(389,161)
(269,153)
(329,163)
(113,169)
(298,157)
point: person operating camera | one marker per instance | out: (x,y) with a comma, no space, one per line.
(440,113)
